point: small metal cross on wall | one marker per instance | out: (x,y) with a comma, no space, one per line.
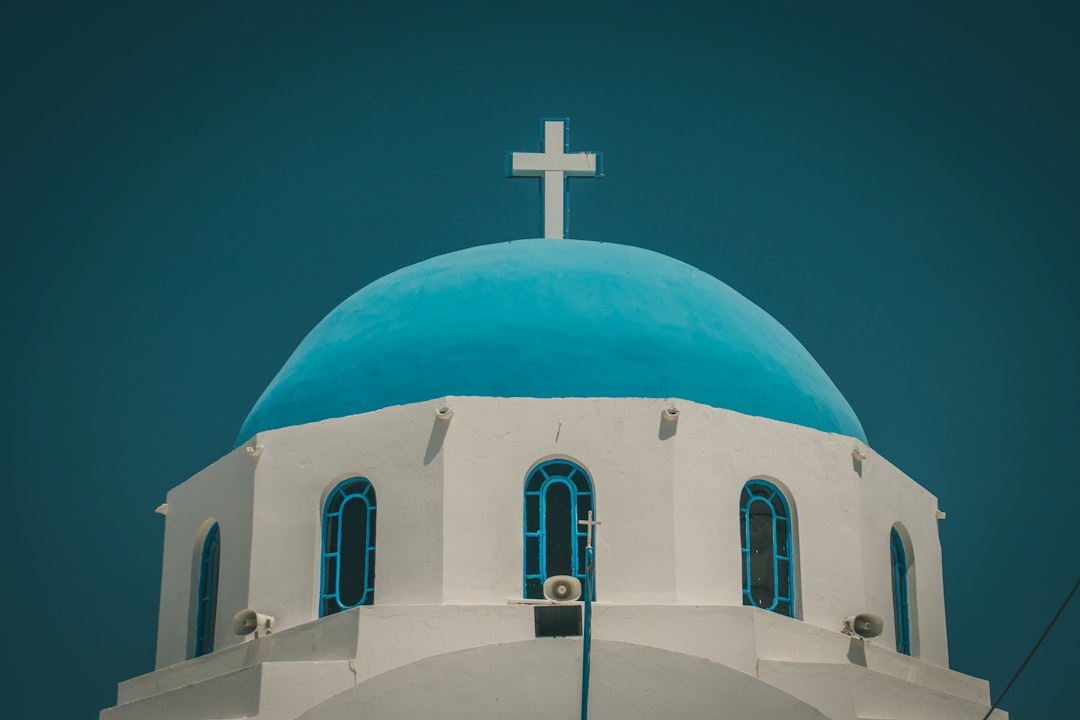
(588,533)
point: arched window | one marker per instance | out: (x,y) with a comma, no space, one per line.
(765,524)
(901,611)
(206,616)
(558,493)
(348,558)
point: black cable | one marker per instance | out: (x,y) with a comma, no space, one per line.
(1039,642)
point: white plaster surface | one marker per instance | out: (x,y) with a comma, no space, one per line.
(223,493)
(542,678)
(712,653)
(449,556)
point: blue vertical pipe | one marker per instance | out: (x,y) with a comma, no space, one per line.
(587,591)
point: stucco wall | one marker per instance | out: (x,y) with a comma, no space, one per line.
(891,498)
(345,660)
(299,467)
(450,509)
(223,493)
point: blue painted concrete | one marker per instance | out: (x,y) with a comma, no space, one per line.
(550,318)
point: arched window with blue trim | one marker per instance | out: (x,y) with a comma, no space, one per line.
(558,493)
(348,557)
(901,609)
(765,524)
(206,613)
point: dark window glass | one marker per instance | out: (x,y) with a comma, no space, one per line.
(781,544)
(330,567)
(745,568)
(371,541)
(783,577)
(331,534)
(584,505)
(778,505)
(558,531)
(209,566)
(901,611)
(532,510)
(557,469)
(764,522)
(351,585)
(762,556)
(532,556)
(348,547)
(557,494)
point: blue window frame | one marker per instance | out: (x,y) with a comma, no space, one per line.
(765,525)
(206,616)
(348,557)
(558,493)
(900,593)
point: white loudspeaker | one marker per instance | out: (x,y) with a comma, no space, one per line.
(248,621)
(562,588)
(865,625)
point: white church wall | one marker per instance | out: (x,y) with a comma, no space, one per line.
(302,665)
(718,452)
(290,688)
(329,639)
(541,678)
(816,469)
(841,521)
(233,695)
(707,483)
(298,469)
(723,634)
(223,492)
(450,508)
(891,498)
(492,445)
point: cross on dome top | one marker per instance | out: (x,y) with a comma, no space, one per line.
(555,166)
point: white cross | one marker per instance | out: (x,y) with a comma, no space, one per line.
(588,533)
(553,165)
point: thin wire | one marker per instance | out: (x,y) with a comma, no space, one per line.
(588,632)
(1036,647)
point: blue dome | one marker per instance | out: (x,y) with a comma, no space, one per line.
(551,318)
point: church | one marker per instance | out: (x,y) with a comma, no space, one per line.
(551,478)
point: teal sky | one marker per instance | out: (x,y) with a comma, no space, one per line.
(186,191)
